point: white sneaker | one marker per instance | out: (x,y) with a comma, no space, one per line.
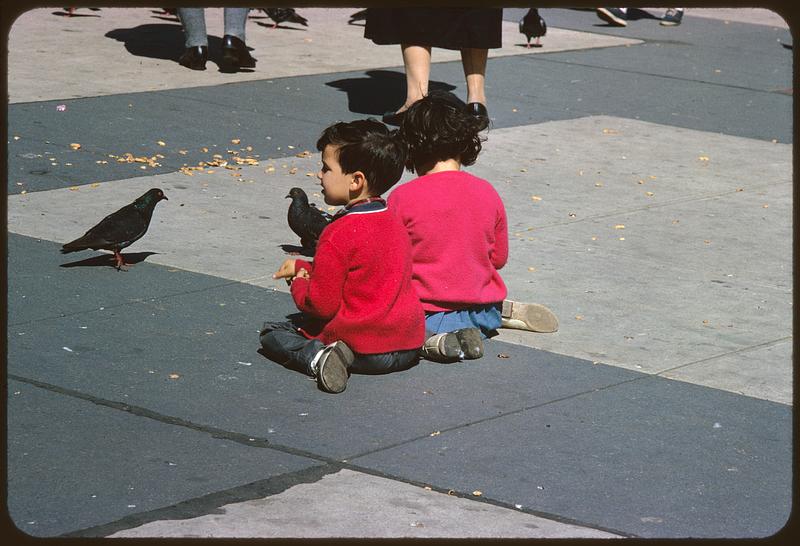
(528,316)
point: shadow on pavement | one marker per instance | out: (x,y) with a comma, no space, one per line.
(108,260)
(380,92)
(157,41)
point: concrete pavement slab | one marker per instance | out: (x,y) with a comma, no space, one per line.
(140,48)
(73,463)
(579,180)
(651,457)
(383,509)
(193,356)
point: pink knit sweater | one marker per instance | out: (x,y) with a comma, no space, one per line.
(459,237)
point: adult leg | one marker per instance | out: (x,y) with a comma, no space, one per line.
(193,21)
(417,62)
(234,50)
(474,62)
(235,22)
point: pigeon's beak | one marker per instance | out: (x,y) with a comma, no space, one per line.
(165,197)
(289,195)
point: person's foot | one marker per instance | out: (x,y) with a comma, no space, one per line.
(479,111)
(528,316)
(448,347)
(672,17)
(194,57)
(613,16)
(235,54)
(332,367)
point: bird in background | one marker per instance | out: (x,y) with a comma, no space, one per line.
(283,15)
(119,229)
(533,26)
(305,219)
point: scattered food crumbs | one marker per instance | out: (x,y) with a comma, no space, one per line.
(161,143)
(477,493)
(451,492)
(705,322)
(703,158)
(68,349)
(598,185)
(293,170)
(619,226)
(536,198)
(428,488)
(94,185)
(244,363)
(513,109)
(523,170)
(610,132)
(765,205)
(61,107)
(518,506)
(417,524)
(622,238)
(235,141)
(174,376)
(708,242)
(594,238)
(578,317)
(436,433)
(503,355)
(649,194)
(572,215)
(303,414)
(75,146)
(531,269)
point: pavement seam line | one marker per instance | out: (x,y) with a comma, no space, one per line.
(721,355)
(661,76)
(332,464)
(500,416)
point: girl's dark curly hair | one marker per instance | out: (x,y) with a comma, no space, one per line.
(439,127)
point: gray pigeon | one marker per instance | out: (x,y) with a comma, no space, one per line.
(282,15)
(119,229)
(306,220)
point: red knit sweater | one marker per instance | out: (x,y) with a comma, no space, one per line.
(459,236)
(360,287)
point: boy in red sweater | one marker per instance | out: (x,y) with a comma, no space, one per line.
(459,232)
(359,311)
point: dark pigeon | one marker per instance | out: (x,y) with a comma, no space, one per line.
(306,220)
(284,15)
(119,229)
(533,26)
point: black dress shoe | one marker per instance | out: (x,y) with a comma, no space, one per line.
(194,57)
(479,111)
(394,118)
(235,54)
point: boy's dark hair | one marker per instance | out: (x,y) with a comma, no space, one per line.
(367,145)
(439,127)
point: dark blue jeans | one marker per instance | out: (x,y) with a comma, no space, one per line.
(287,346)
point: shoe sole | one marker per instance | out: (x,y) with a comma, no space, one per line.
(609,18)
(470,342)
(532,317)
(332,373)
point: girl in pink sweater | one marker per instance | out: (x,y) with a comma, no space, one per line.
(459,233)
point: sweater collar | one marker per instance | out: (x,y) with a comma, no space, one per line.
(369,204)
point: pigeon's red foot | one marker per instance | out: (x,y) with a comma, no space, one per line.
(119,262)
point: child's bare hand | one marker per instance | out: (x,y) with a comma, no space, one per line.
(286,270)
(303,273)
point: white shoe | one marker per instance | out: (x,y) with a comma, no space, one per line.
(528,316)
(331,368)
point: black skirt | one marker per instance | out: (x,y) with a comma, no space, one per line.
(447,28)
